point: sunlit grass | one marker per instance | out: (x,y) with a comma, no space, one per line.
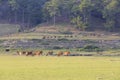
(39,35)
(59,68)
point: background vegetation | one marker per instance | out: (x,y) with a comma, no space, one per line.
(83,14)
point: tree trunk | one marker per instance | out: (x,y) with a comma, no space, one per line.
(54,20)
(23,20)
(15,18)
(23,17)
(28,21)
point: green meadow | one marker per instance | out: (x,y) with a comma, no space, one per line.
(59,68)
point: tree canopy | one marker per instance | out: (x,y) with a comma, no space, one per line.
(80,13)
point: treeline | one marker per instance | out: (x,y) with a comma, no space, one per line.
(26,13)
(83,14)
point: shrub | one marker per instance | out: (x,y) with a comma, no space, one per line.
(57,47)
(37,40)
(89,41)
(63,39)
(91,48)
(45,43)
(65,32)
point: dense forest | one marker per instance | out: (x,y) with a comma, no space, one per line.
(83,14)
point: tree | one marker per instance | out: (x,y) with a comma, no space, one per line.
(86,7)
(77,21)
(111,9)
(14,6)
(65,8)
(81,13)
(52,9)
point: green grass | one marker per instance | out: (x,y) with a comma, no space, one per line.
(6,29)
(59,68)
(35,35)
(49,30)
(60,30)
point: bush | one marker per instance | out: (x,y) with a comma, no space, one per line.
(63,39)
(65,32)
(1,41)
(45,43)
(37,40)
(57,47)
(91,48)
(89,41)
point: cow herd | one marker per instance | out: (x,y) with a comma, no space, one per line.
(40,53)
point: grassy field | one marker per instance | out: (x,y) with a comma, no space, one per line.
(6,29)
(35,35)
(59,68)
(13,67)
(59,31)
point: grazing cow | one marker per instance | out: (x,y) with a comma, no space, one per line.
(49,53)
(44,37)
(71,36)
(21,53)
(24,52)
(55,37)
(60,53)
(38,53)
(7,50)
(67,53)
(29,53)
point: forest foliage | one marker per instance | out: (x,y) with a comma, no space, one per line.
(80,13)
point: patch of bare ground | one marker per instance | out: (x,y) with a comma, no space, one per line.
(56,29)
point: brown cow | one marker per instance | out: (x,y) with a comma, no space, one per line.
(38,53)
(49,53)
(29,53)
(60,53)
(21,53)
(66,53)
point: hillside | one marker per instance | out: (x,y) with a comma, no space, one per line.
(60,37)
(7,29)
(60,31)
(58,28)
